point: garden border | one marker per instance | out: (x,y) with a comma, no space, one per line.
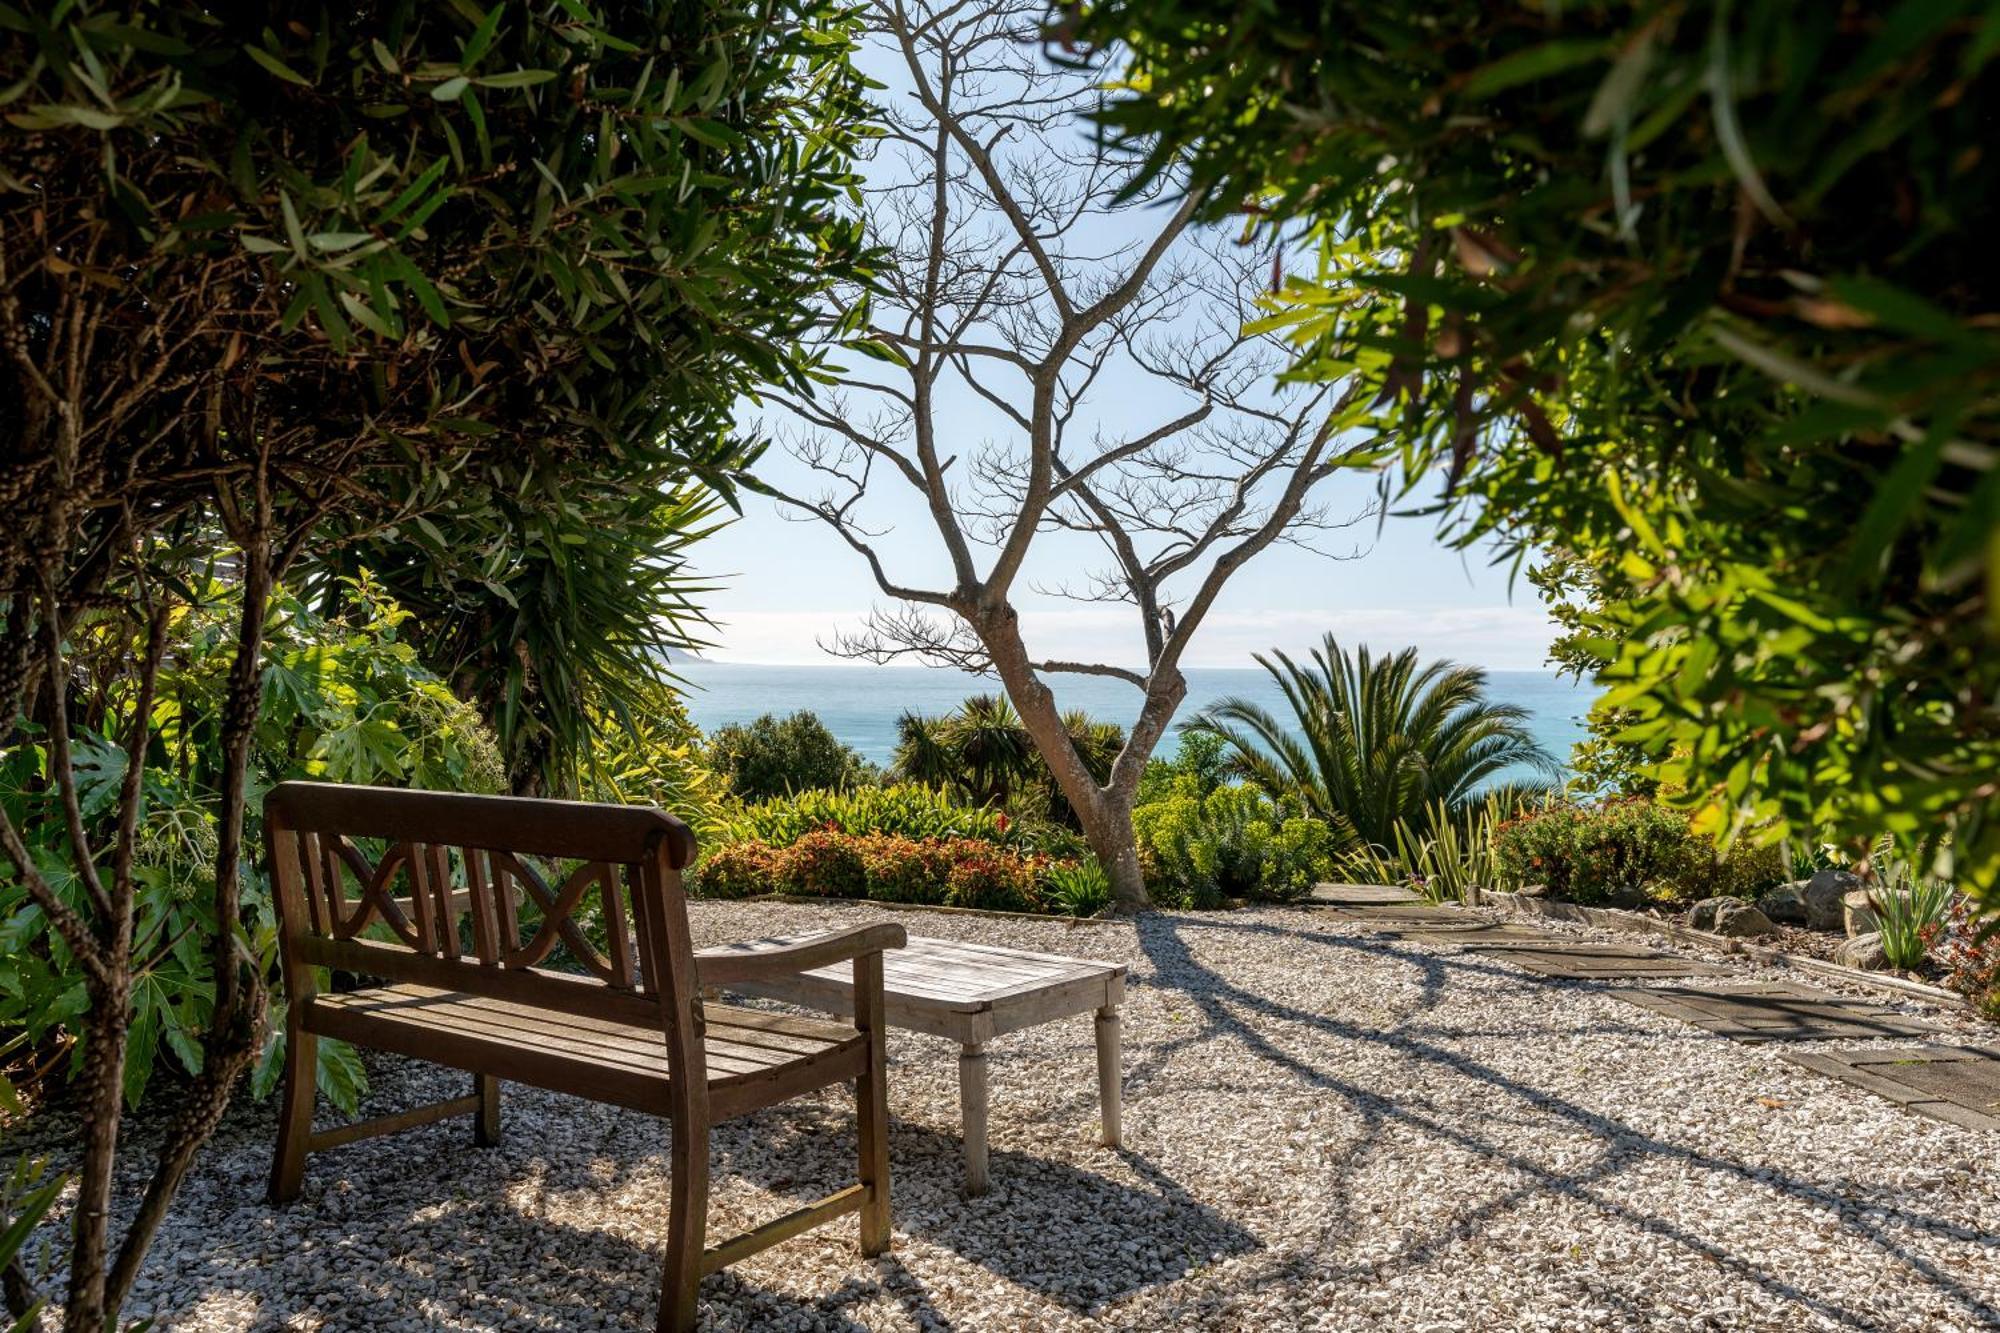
(1636,923)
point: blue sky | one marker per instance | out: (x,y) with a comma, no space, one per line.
(786,586)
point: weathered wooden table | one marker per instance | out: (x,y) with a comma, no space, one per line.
(971,993)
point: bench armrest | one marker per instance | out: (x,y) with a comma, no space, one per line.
(733,963)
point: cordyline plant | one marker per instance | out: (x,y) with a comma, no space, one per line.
(400,274)
(1702,294)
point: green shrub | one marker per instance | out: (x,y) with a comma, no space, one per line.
(1627,849)
(1076,888)
(1233,842)
(991,878)
(736,870)
(824,862)
(775,757)
(904,810)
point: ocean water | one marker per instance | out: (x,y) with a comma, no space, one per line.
(860,704)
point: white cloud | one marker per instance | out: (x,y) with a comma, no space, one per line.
(1502,637)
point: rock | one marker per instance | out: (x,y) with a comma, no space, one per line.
(1532,891)
(1863,951)
(1786,903)
(1702,915)
(1737,917)
(1857,913)
(1728,915)
(1823,893)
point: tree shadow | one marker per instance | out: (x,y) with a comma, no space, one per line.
(1620,1146)
(1115,1238)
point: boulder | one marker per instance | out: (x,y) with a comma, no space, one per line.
(1729,916)
(1702,915)
(1786,903)
(1823,894)
(1857,911)
(1736,917)
(1863,951)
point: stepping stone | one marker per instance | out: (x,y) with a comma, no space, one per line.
(1951,1083)
(1776,1012)
(1584,961)
(1470,934)
(1360,895)
(1411,914)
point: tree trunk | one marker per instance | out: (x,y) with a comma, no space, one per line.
(1104,811)
(1117,849)
(103,1101)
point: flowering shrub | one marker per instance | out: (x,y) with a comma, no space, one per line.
(824,861)
(884,867)
(1972,963)
(906,870)
(735,870)
(992,879)
(1594,853)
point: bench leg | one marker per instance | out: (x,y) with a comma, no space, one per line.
(687,1226)
(871,1105)
(1109,1074)
(972,1104)
(295,1115)
(486,1122)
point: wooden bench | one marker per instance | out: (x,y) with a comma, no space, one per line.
(970,993)
(438,899)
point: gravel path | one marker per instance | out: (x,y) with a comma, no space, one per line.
(1325,1131)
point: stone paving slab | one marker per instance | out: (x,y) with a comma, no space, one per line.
(1410,914)
(1584,961)
(1360,895)
(1777,1011)
(1958,1084)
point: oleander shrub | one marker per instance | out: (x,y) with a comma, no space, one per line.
(1627,850)
(1233,842)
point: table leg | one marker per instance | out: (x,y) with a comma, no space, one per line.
(1110,1062)
(972,1104)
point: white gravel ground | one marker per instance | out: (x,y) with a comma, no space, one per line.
(1324,1131)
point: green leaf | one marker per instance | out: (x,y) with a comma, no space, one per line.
(519,78)
(1534,63)
(276,66)
(449,90)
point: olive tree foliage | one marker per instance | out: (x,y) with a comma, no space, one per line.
(1135,433)
(1703,296)
(410,278)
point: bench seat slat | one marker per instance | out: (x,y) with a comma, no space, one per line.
(748,1052)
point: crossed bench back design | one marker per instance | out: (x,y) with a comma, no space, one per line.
(466,908)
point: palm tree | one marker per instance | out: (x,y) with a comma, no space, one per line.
(924,752)
(1376,741)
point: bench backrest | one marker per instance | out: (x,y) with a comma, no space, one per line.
(480,893)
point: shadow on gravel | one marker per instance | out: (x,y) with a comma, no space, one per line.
(1223,1007)
(1074,1236)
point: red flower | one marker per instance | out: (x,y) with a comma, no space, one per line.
(1001,821)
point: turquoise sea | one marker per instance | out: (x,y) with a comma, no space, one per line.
(860,704)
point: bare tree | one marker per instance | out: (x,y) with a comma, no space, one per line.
(1023,290)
